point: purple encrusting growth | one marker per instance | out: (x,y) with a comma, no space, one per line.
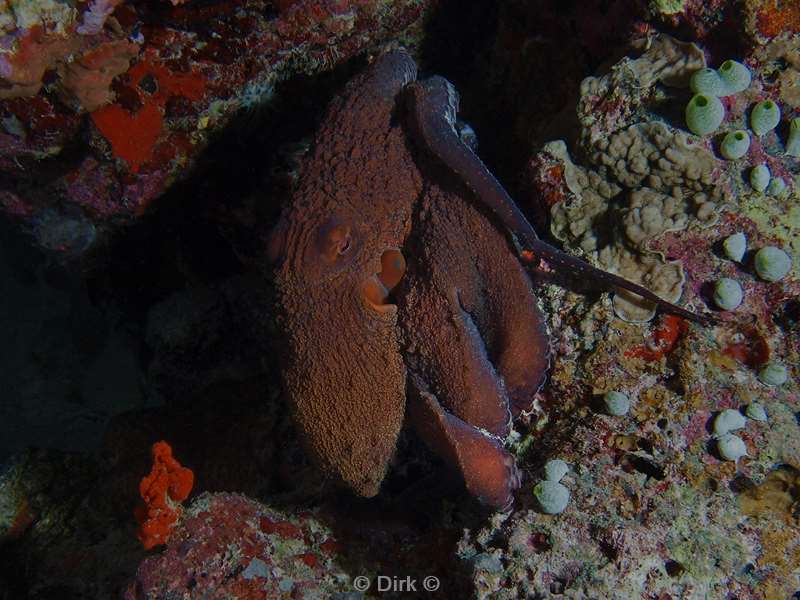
(230,546)
(674,513)
(237,73)
(654,511)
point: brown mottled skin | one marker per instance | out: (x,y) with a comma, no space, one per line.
(345,375)
(400,280)
(474,340)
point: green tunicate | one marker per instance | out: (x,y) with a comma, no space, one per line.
(731,447)
(759,177)
(793,143)
(773,374)
(735,246)
(776,186)
(772,264)
(735,77)
(735,144)
(704,114)
(706,81)
(765,117)
(617,403)
(728,294)
(756,412)
(552,497)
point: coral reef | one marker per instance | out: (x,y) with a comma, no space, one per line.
(660,459)
(668,178)
(648,173)
(667,489)
(186,81)
(230,546)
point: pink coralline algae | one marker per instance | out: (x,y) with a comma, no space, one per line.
(42,37)
(228,546)
(158,82)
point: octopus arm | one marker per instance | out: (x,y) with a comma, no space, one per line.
(489,472)
(434,104)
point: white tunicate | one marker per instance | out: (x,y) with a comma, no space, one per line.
(731,447)
(735,77)
(793,142)
(735,246)
(776,186)
(555,469)
(773,374)
(756,412)
(728,420)
(772,264)
(759,177)
(617,403)
(728,293)
(551,496)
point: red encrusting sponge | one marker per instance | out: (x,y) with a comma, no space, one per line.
(163,490)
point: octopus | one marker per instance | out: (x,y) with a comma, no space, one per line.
(401,266)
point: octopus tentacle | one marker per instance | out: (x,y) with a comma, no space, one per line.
(470,321)
(480,376)
(434,107)
(487,470)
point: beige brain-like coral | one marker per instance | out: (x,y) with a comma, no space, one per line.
(644,177)
(611,101)
(781,60)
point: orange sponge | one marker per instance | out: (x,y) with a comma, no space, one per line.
(163,490)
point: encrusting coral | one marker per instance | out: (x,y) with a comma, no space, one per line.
(653,177)
(50,35)
(671,487)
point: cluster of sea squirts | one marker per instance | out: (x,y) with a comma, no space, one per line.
(704,115)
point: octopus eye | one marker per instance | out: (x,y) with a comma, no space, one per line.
(334,240)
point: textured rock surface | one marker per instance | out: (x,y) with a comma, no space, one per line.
(645,176)
(229,546)
(63,518)
(653,509)
(185,83)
